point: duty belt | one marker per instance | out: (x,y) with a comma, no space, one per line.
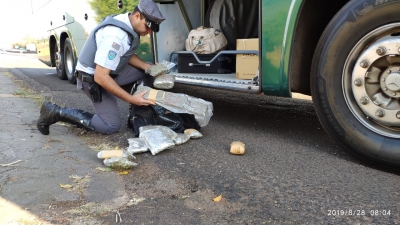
(84,77)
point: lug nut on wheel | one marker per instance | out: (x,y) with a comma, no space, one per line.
(364,100)
(398,115)
(381,51)
(364,64)
(358,82)
(380,113)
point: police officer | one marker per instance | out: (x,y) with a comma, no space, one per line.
(106,62)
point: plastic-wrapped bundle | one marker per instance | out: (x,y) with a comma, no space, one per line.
(165,81)
(180,103)
(157,138)
(156,70)
(115,153)
(159,69)
(193,133)
(137,145)
(181,139)
(119,163)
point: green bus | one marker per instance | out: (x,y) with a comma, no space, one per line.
(344,53)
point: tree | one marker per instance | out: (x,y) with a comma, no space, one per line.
(143,51)
(20,44)
(29,40)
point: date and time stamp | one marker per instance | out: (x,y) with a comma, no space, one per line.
(359,212)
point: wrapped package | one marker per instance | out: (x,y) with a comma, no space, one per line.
(180,103)
(105,154)
(168,64)
(119,163)
(159,69)
(165,81)
(181,139)
(157,138)
(156,70)
(193,133)
(137,145)
(238,148)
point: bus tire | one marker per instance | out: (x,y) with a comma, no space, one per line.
(356,56)
(69,61)
(59,60)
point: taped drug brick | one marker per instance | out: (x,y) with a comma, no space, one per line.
(180,103)
(237,148)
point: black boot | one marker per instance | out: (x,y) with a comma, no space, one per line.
(51,113)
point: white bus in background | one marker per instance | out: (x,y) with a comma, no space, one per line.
(64,25)
(31,47)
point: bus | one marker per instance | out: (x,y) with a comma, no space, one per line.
(65,26)
(344,53)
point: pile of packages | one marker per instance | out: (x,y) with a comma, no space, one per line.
(163,80)
(174,102)
(152,138)
(157,138)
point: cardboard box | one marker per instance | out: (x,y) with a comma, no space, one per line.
(246,64)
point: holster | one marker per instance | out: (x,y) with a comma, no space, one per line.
(95,92)
(95,89)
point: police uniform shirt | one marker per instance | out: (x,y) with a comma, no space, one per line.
(112,43)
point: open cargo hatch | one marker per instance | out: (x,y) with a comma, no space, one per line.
(185,15)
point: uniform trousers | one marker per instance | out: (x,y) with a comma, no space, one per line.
(107,119)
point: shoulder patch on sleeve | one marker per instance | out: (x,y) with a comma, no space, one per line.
(111,55)
(115,46)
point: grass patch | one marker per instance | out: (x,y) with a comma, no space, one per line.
(90,209)
(24,90)
(102,146)
(22,93)
(79,184)
(8,74)
(30,221)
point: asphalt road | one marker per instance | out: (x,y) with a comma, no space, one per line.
(291,173)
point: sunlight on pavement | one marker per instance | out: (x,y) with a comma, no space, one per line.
(13,214)
(301,96)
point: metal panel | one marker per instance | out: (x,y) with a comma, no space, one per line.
(173,39)
(278,18)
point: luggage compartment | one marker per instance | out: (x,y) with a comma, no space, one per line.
(205,70)
(187,63)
